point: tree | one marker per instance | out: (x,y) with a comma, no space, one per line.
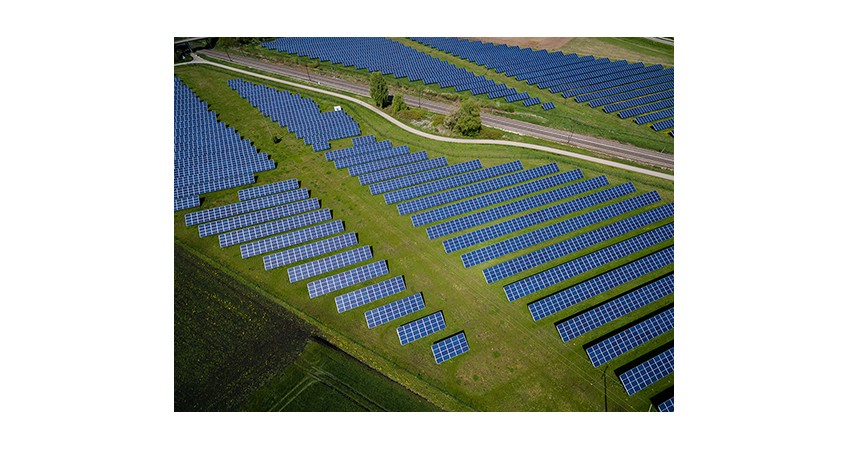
(398,104)
(379,89)
(466,119)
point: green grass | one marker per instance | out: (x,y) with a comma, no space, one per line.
(514,364)
(568,114)
(326,379)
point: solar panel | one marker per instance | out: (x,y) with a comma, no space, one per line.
(451,182)
(512,225)
(613,309)
(349,278)
(355,160)
(407,169)
(268,189)
(265,215)
(368,294)
(630,338)
(290,239)
(423,177)
(420,328)
(362,140)
(233,209)
(329,264)
(387,163)
(649,372)
(531,238)
(190,201)
(666,406)
(394,310)
(598,258)
(215,185)
(511,193)
(358,150)
(451,347)
(276,227)
(600,284)
(307,251)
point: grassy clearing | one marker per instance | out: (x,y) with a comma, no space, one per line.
(514,364)
(630,49)
(568,114)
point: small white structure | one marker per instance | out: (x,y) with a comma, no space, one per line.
(337,108)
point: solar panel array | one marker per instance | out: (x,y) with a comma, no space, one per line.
(264,215)
(362,140)
(420,328)
(300,115)
(396,172)
(390,58)
(275,227)
(666,406)
(585,78)
(567,270)
(289,239)
(268,189)
(386,163)
(394,310)
(357,150)
(368,294)
(424,177)
(345,279)
(450,182)
(307,251)
(613,309)
(449,348)
(330,263)
(355,160)
(649,372)
(616,277)
(634,336)
(510,226)
(233,209)
(208,155)
(561,228)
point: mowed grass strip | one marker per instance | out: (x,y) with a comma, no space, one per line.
(514,364)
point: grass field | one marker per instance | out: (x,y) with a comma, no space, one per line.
(568,114)
(628,48)
(514,364)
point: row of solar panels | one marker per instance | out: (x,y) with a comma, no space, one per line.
(208,155)
(393,58)
(597,81)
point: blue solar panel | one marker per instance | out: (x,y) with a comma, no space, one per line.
(455,209)
(512,225)
(268,189)
(452,182)
(609,311)
(348,278)
(358,150)
(540,235)
(190,201)
(663,125)
(386,163)
(649,372)
(585,240)
(233,209)
(215,185)
(308,251)
(570,269)
(290,239)
(362,140)
(448,348)
(602,283)
(407,169)
(343,163)
(271,228)
(630,338)
(548,105)
(666,406)
(394,310)
(424,177)
(368,294)
(265,215)
(420,328)
(329,264)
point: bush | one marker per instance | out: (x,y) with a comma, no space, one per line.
(465,120)
(379,89)
(398,104)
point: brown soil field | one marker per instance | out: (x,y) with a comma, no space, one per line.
(546,43)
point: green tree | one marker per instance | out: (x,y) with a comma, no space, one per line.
(398,104)
(379,90)
(466,119)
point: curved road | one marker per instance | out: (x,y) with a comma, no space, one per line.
(604,146)
(198,60)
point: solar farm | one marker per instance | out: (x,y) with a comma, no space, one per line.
(480,277)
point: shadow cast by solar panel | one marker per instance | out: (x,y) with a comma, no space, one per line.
(642,317)
(624,368)
(664,395)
